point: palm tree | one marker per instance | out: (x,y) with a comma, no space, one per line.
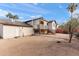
(13,17)
(9,15)
(71,8)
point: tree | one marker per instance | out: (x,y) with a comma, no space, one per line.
(71,8)
(9,15)
(15,17)
(61,26)
(74,23)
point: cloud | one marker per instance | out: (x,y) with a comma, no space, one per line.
(25,10)
(3,13)
(76,11)
(35,3)
(21,15)
(26,7)
(35,9)
(35,16)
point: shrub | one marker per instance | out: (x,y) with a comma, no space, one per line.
(59,30)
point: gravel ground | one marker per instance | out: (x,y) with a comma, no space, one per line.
(41,45)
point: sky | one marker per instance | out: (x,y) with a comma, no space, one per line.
(27,11)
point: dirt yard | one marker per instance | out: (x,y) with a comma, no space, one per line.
(43,45)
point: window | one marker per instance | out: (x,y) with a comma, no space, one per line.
(41,22)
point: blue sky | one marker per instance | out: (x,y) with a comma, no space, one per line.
(27,11)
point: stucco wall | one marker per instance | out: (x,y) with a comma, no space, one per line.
(10,31)
(1,30)
(44,26)
(52,26)
(36,24)
(14,31)
(28,31)
(24,31)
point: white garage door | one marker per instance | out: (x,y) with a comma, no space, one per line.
(14,31)
(10,31)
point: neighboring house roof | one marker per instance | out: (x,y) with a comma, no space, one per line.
(15,23)
(52,21)
(40,18)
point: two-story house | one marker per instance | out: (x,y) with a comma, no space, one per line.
(41,25)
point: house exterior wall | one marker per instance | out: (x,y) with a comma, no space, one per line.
(10,31)
(44,26)
(49,26)
(27,31)
(36,24)
(52,26)
(1,30)
(14,31)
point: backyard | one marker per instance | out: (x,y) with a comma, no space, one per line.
(40,45)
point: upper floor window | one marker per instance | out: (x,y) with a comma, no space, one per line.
(41,22)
